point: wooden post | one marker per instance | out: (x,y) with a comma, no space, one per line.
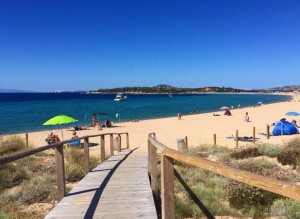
(102,148)
(215,139)
(119,142)
(111,145)
(127,140)
(268,132)
(253,135)
(86,156)
(167,187)
(153,170)
(186,142)
(60,171)
(26,139)
(237,138)
(149,149)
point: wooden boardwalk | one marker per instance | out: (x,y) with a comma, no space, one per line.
(117,188)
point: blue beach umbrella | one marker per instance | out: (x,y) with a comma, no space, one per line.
(292,114)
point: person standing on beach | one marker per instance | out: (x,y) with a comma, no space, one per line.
(179,115)
(247,119)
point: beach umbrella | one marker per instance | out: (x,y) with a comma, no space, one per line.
(224,108)
(292,114)
(60,120)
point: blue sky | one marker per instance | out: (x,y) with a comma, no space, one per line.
(84,45)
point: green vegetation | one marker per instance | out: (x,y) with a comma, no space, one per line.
(162,89)
(290,154)
(11,175)
(225,197)
(11,144)
(32,181)
(40,189)
(74,165)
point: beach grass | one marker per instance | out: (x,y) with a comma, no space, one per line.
(223,197)
(28,185)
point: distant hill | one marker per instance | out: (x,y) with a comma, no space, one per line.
(163,88)
(290,88)
(3,90)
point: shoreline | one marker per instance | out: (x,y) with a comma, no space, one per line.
(291,95)
(167,115)
(199,128)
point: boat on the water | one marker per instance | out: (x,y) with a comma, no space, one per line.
(120,97)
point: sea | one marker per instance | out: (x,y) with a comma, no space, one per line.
(26,112)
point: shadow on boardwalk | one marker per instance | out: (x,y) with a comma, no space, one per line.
(117,188)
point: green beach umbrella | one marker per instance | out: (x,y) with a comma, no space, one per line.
(60,120)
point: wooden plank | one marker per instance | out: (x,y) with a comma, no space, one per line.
(127,194)
(253,135)
(267,183)
(119,143)
(127,141)
(60,172)
(111,145)
(86,156)
(167,187)
(153,170)
(102,148)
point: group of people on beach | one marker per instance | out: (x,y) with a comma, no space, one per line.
(51,139)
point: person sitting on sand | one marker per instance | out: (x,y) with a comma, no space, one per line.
(227,112)
(56,139)
(247,118)
(50,139)
(74,135)
(294,122)
(135,120)
(107,123)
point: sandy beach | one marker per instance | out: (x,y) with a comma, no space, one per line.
(198,128)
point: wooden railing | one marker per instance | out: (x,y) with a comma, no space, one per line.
(167,175)
(59,156)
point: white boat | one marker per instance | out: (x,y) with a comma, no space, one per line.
(120,97)
(170,94)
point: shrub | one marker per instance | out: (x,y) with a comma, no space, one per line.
(250,199)
(269,150)
(10,175)
(74,155)
(207,186)
(38,190)
(290,154)
(184,206)
(246,152)
(74,165)
(93,162)
(74,172)
(260,166)
(286,208)
(11,210)
(206,150)
(11,144)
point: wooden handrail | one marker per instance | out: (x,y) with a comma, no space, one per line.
(263,182)
(59,156)
(168,155)
(159,146)
(17,156)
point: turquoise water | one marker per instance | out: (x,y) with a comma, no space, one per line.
(27,112)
